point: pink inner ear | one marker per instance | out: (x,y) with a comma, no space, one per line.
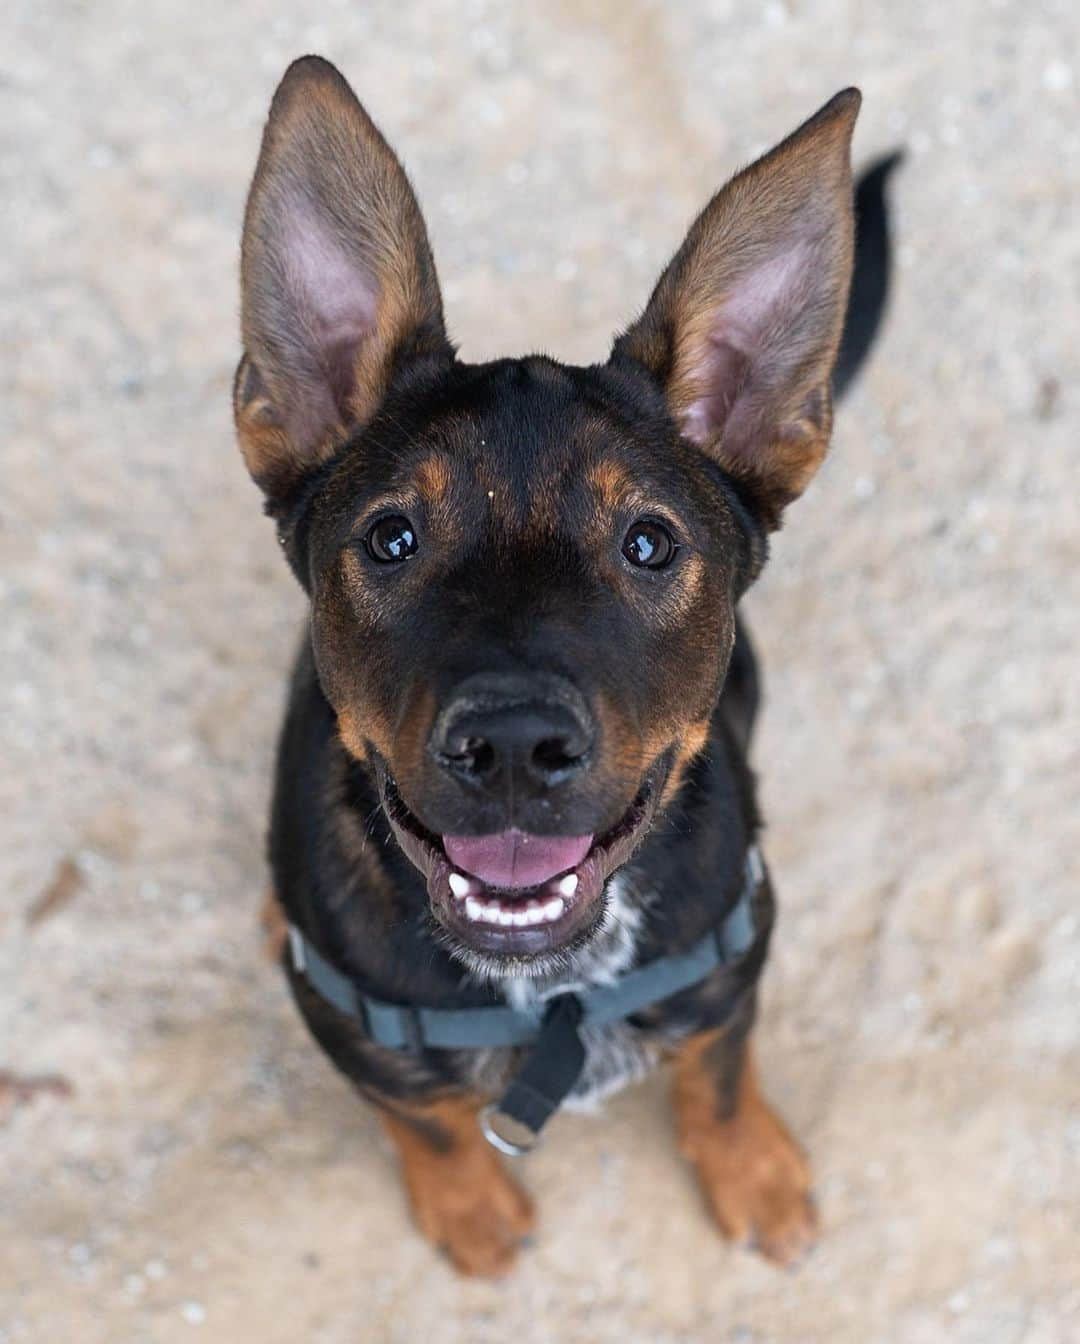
(749,343)
(334,304)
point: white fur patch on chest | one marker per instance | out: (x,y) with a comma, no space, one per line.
(616,1054)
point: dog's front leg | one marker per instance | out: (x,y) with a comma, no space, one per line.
(462,1199)
(753,1174)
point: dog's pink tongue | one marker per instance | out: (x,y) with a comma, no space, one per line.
(515,858)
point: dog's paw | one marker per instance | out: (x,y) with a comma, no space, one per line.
(480,1223)
(756,1180)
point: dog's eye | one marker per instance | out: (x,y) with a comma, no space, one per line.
(391,539)
(649,545)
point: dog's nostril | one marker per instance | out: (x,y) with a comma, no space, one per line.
(554,754)
(472,756)
(481,755)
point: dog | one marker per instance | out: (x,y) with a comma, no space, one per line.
(514,838)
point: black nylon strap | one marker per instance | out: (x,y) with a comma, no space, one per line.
(537,1090)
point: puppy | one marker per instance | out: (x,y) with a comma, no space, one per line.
(514,835)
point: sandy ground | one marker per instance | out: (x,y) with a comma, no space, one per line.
(209,1176)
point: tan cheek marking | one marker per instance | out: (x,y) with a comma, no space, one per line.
(336,620)
(399,737)
(406,753)
(402,748)
(691,743)
(623,754)
(352,735)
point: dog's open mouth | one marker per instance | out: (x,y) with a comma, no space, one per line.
(516,893)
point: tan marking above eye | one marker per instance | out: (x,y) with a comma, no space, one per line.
(433,478)
(620,494)
(611,482)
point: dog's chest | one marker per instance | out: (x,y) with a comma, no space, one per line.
(615,1054)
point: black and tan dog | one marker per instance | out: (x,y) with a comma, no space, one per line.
(514,758)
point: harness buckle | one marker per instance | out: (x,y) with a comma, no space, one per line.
(506,1133)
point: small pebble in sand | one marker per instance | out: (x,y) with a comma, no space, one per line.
(193,1312)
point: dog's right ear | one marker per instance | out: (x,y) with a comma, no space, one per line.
(338,284)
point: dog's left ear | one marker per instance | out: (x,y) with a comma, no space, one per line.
(338,285)
(743,327)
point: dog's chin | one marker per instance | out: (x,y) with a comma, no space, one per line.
(528,931)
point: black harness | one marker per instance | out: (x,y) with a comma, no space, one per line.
(552,1029)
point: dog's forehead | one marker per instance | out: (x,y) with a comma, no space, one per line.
(531,431)
(515,451)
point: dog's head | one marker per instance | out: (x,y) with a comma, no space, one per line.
(523,575)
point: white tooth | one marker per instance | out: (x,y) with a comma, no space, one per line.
(473,908)
(534,914)
(553,909)
(506,917)
(521,918)
(491,912)
(568,884)
(459,885)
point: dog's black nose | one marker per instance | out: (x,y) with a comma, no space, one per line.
(522,733)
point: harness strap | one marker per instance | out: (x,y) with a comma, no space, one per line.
(558,1055)
(536,1091)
